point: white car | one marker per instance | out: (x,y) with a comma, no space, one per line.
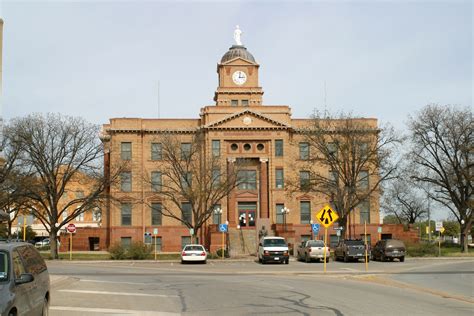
(193,253)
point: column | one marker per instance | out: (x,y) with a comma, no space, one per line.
(264,188)
(231,197)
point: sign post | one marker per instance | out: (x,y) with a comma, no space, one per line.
(155,232)
(315,229)
(326,217)
(71,228)
(439,228)
(223,229)
(366,248)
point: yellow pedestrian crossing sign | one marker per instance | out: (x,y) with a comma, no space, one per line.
(327,216)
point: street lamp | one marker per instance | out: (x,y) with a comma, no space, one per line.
(218,211)
(285,211)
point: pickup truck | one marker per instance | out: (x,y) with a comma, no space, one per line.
(350,249)
(312,249)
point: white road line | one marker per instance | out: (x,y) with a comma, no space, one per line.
(350,269)
(111,311)
(117,293)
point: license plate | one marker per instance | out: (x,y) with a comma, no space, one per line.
(276,258)
(359,254)
(395,251)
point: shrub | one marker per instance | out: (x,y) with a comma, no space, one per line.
(139,251)
(422,249)
(219,253)
(117,252)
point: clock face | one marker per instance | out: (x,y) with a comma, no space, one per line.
(239,77)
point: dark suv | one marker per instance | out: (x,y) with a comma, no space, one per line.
(350,249)
(389,249)
(24,280)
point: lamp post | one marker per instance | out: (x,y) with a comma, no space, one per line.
(285,211)
(311,228)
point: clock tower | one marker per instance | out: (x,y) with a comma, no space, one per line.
(238,79)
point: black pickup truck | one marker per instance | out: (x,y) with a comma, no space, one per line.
(350,249)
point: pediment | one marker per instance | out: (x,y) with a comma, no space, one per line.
(246,195)
(247,119)
(238,61)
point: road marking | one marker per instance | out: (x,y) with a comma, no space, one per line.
(350,269)
(111,311)
(117,293)
(116,282)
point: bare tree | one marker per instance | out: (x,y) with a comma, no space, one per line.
(443,153)
(58,150)
(348,158)
(193,180)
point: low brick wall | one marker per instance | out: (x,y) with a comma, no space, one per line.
(85,239)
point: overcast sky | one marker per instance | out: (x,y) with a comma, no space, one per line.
(104,59)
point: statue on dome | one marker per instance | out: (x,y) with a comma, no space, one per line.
(237,34)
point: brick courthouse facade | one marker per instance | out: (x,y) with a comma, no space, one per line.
(238,125)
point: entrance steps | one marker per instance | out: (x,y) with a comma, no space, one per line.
(242,242)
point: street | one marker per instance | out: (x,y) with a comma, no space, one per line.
(415,287)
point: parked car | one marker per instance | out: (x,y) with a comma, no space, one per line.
(24,280)
(273,249)
(44,243)
(350,249)
(193,253)
(389,249)
(312,250)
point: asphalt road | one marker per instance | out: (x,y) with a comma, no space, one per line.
(415,287)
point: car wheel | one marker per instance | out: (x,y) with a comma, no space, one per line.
(287,261)
(346,258)
(402,259)
(259,260)
(12,313)
(182,261)
(45,311)
(327,259)
(307,259)
(263,261)
(204,262)
(382,257)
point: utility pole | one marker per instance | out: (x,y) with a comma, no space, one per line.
(429,219)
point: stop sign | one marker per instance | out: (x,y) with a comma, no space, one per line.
(71,228)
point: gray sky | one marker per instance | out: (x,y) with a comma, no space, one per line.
(104,59)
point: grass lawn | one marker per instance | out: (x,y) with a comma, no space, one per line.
(105,256)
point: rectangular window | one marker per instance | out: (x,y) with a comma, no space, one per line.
(186,213)
(279,180)
(64,215)
(333,177)
(234,102)
(364,209)
(217,214)
(364,180)
(185,151)
(364,150)
(159,244)
(126,242)
(156,215)
(304,180)
(332,149)
(126,214)
(216,177)
(279,148)
(247,179)
(304,151)
(245,102)
(186,180)
(80,217)
(156,151)
(96,215)
(126,181)
(126,151)
(279,214)
(156,181)
(216,148)
(305,212)
(185,240)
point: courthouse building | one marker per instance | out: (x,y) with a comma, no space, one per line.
(238,125)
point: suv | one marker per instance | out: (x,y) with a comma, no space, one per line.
(389,249)
(24,280)
(273,249)
(351,249)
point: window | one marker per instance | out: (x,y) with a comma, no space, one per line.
(186,213)
(186,180)
(333,177)
(126,242)
(126,213)
(80,217)
(217,216)
(33,262)
(362,236)
(247,179)
(279,214)
(156,181)
(333,240)
(279,148)
(156,214)
(156,151)
(364,148)
(18,267)
(159,244)
(216,148)
(126,151)
(304,180)
(364,210)
(126,181)
(64,215)
(185,151)
(245,102)
(216,177)
(234,102)
(332,149)
(96,215)
(279,181)
(234,147)
(305,212)
(364,180)
(304,151)
(185,240)
(305,238)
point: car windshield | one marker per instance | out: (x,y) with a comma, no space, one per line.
(3,266)
(274,242)
(194,248)
(395,243)
(354,242)
(316,243)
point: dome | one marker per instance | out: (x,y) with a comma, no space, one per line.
(237,51)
